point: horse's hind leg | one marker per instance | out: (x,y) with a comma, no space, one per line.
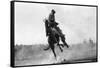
(63,40)
(62,45)
(60,48)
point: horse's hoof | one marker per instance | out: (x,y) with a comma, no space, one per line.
(67,46)
(45,49)
(62,51)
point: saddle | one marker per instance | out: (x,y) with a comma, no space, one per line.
(52,26)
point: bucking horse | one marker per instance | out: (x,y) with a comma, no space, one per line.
(53,38)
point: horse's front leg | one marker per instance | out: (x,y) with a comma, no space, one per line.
(60,47)
(53,50)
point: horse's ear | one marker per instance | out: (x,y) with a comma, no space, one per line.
(44,20)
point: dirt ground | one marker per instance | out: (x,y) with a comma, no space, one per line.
(35,54)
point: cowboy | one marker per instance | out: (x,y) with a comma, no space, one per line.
(53,24)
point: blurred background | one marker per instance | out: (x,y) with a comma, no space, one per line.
(78,23)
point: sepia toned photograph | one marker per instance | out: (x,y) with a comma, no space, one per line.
(51,33)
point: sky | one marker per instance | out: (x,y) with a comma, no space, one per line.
(78,23)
